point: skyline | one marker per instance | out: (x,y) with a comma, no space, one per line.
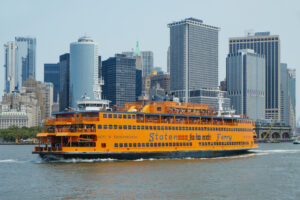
(57,24)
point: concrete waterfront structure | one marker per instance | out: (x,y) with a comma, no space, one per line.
(83,69)
(64,91)
(26,58)
(268,45)
(278,132)
(245,83)
(119,75)
(193,55)
(11,73)
(52,74)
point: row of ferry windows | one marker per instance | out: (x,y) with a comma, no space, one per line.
(119,116)
(133,127)
(177,144)
(155,144)
(222,143)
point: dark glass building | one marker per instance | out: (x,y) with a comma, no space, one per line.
(139,83)
(269,46)
(52,74)
(64,94)
(119,75)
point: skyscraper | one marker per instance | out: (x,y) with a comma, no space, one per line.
(144,59)
(52,74)
(245,83)
(193,55)
(168,61)
(64,94)
(83,69)
(268,45)
(292,98)
(119,75)
(284,106)
(11,81)
(26,58)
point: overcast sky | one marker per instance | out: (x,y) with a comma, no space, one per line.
(117,25)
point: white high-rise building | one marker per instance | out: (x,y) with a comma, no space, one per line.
(83,69)
(10,66)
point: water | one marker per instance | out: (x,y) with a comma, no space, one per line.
(270,172)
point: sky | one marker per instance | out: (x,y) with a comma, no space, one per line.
(116,25)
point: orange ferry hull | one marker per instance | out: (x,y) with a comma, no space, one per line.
(140,155)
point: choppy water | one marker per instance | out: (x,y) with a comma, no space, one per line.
(270,172)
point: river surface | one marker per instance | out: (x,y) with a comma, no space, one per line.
(270,172)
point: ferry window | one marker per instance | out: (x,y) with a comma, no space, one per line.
(143,128)
(190,128)
(155,144)
(129,127)
(176,128)
(104,115)
(199,143)
(130,145)
(139,144)
(121,145)
(133,116)
(120,116)
(183,128)
(170,144)
(146,127)
(159,144)
(154,127)
(150,127)
(129,116)
(133,127)
(158,109)
(191,144)
(143,144)
(173,128)
(158,127)
(105,127)
(115,115)
(180,128)
(193,128)
(177,144)
(147,144)
(125,145)
(109,115)
(125,127)
(116,144)
(220,143)
(162,128)
(166,144)
(162,144)
(151,144)
(99,126)
(124,116)
(110,126)
(174,144)
(138,127)
(134,144)
(120,126)
(115,126)
(166,128)
(103,145)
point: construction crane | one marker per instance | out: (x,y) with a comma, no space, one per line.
(268,131)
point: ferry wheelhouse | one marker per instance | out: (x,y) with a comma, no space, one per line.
(145,130)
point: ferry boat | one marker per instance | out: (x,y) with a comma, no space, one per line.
(145,129)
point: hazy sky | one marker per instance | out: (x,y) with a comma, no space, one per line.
(117,25)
